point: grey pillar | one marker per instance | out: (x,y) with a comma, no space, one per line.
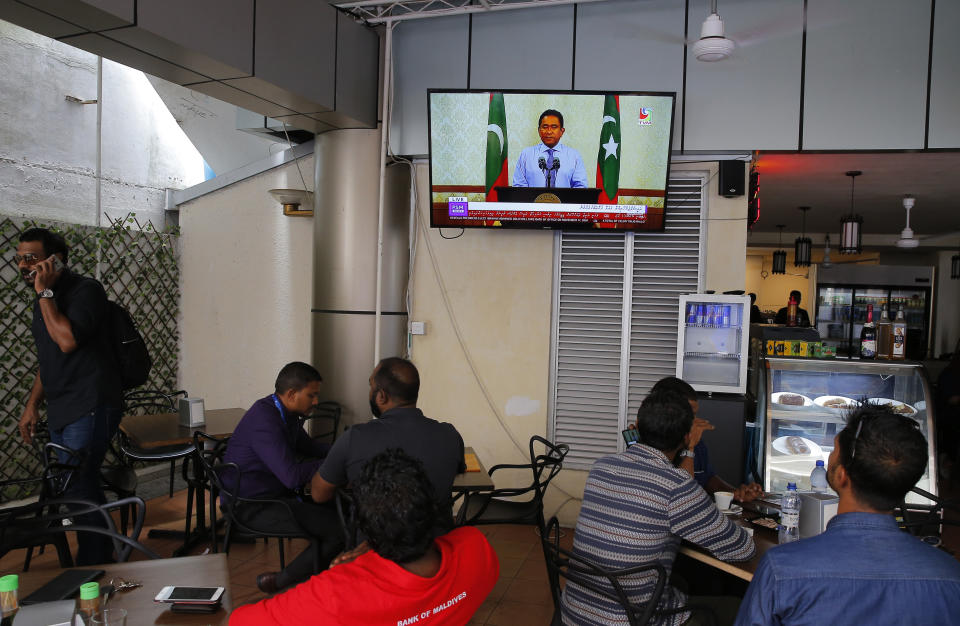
(345,264)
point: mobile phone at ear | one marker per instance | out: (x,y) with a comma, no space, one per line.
(631,436)
(57,264)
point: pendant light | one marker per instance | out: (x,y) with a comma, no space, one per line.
(851,224)
(803,245)
(827,262)
(780,256)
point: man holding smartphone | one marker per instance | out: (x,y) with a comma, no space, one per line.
(78,373)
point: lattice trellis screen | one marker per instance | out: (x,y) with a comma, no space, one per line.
(139,268)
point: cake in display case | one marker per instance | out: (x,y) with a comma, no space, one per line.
(803,403)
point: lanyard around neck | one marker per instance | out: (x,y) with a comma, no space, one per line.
(279,405)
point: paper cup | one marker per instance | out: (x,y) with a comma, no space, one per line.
(724,499)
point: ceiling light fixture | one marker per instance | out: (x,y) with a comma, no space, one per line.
(851,225)
(713,45)
(780,256)
(291,199)
(803,245)
(826,253)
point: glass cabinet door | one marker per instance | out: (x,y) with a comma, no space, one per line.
(833,317)
(808,404)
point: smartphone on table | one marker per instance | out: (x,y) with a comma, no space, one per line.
(194,595)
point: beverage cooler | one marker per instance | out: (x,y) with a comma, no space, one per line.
(712,342)
(803,403)
(844,291)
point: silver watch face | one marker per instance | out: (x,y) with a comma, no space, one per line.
(46,293)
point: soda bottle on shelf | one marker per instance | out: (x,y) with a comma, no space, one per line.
(818,478)
(790,515)
(884,335)
(868,337)
(792,312)
(899,348)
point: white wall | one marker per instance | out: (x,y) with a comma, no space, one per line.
(48,145)
(246,280)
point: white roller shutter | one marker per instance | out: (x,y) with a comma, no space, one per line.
(615,312)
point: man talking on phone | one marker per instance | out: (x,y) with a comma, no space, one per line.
(78,373)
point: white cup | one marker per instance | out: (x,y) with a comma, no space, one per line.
(724,499)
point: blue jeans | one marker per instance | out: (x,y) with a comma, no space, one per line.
(89,436)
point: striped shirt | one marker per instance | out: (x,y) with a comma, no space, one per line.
(637,507)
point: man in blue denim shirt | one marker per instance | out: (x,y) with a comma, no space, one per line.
(78,373)
(863,569)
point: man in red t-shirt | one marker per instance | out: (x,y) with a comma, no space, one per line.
(400,575)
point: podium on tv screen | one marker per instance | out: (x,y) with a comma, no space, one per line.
(564,195)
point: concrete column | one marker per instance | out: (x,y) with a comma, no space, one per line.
(345,261)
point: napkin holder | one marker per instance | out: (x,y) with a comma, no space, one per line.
(816,509)
(191,412)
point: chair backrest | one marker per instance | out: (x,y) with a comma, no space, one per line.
(576,569)
(546,464)
(328,410)
(150,401)
(20,525)
(59,465)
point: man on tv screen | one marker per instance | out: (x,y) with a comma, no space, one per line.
(550,163)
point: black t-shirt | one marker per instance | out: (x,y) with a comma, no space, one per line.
(77,382)
(437,444)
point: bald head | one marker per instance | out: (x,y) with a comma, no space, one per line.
(398,379)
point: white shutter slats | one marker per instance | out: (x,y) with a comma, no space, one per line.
(588,412)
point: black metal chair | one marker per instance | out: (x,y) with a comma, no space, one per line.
(927,520)
(199,483)
(42,522)
(347,511)
(240,512)
(151,402)
(491,507)
(44,486)
(603,582)
(329,411)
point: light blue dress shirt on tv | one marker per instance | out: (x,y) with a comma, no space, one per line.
(527,172)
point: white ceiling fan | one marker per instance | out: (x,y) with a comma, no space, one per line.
(713,45)
(907,240)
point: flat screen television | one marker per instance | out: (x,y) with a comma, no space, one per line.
(572,160)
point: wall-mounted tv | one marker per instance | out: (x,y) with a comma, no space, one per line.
(572,160)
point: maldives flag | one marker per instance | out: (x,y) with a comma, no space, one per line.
(496,146)
(608,159)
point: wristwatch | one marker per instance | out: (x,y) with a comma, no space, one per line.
(46,293)
(687,453)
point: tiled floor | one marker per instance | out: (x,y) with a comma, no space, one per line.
(521,596)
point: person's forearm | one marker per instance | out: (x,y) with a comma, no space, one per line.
(36,393)
(686,464)
(58,325)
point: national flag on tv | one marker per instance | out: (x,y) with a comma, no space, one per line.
(608,158)
(496,147)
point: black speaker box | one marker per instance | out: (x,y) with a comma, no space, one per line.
(732,178)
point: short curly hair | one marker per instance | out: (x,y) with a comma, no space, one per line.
(395,506)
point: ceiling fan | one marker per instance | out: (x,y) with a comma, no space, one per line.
(907,240)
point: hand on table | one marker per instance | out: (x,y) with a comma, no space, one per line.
(747,493)
(349,555)
(696,431)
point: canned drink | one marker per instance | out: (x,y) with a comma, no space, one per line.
(691,314)
(726,316)
(700,314)
(711,315)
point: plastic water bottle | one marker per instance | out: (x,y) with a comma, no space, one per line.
(818,478)
(790,515)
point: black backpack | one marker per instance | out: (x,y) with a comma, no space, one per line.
(133,358)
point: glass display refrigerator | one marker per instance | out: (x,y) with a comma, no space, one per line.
(803,403)
(844,291)
(712,342)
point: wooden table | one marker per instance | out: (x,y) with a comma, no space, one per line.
(164,429)
(472,481)
(764,538)
(208,570)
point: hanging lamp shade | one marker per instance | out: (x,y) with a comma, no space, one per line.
(851,225)
(780,256)
(780,262)
(803,245)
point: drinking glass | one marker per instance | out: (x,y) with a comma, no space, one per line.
(111,617)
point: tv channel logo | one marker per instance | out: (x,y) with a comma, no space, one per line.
(457,207)
(643,117)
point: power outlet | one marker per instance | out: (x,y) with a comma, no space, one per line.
(418,328)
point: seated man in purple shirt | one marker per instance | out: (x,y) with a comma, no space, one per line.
(862,569)
(265,446)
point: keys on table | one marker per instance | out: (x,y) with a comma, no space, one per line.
(119,584)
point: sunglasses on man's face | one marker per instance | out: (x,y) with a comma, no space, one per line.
(28,258)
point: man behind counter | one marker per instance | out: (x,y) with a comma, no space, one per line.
(803,318)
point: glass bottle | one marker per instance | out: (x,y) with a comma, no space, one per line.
(88,604)
(868,337)
(9,603)
(884,335)
(899,348)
